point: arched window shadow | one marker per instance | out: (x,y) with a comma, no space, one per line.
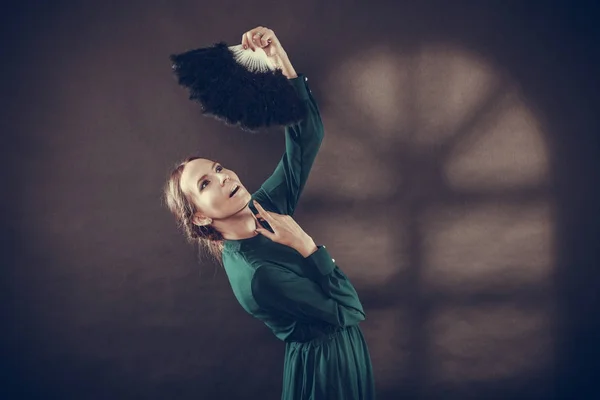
(437,219)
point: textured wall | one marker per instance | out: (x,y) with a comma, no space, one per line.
(456,186)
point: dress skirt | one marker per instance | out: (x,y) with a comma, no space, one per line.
(336,366)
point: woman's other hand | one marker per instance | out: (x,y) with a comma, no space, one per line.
(286,231)
(267,40)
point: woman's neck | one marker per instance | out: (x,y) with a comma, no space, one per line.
(241,225)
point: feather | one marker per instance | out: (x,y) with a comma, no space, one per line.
(240,87)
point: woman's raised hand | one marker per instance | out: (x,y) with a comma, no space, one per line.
(286,231)
(265,39)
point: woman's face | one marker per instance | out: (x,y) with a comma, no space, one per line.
(209,185)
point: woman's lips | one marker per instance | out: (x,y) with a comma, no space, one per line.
(235,191)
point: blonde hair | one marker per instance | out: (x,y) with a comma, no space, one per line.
(183,210)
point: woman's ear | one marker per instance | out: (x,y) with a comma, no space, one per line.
(201,220)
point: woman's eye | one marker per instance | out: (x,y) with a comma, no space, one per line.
(218,168)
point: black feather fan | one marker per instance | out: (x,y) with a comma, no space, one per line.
(238,86)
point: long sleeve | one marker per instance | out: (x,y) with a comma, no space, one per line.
(302,143)
(332,300)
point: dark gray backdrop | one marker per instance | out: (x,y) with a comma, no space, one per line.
(457,186)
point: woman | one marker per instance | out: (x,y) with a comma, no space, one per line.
(277,272)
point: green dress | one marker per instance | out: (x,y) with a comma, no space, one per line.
(309,303)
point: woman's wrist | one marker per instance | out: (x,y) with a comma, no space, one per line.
(287,69)
(307,248)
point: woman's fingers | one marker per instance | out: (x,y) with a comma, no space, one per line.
(253,38)
(259,40)
(266,233)
(269,219)
(265,214)
(258,37)
(249,40)
(264,37)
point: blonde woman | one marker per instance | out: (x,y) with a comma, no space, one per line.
(277,272)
